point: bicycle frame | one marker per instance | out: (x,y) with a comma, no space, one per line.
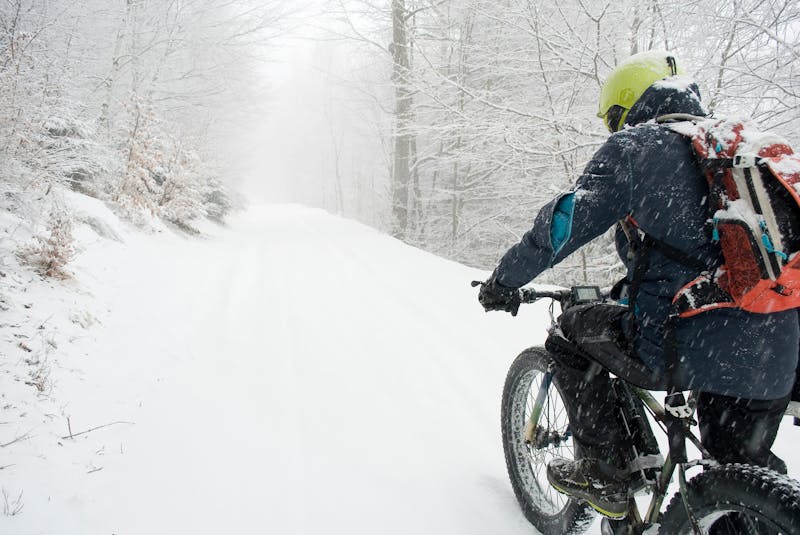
(666,471)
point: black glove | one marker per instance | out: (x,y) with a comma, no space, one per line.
(495,296)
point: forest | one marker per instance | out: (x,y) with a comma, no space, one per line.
(451,121)
(126,101)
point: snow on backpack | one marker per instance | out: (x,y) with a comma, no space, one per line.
(754,210)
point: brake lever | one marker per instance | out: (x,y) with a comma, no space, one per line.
(477,283)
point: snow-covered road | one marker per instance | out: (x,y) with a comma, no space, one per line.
(295,374)
(323,383)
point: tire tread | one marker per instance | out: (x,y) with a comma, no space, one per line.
(577,516)
(772,495)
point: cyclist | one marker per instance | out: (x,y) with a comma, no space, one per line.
(742,364)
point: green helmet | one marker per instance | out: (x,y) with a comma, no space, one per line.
(629,80)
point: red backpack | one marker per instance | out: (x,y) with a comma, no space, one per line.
(754,209)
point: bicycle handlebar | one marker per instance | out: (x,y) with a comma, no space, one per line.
(531,295)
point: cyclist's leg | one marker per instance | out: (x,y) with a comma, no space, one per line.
(592,408)
(586,388)
(591,405)
(736,430)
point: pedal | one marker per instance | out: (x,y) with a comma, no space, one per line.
(642,473)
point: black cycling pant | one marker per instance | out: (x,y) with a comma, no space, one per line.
(592,407)
(736,430)
(733,430)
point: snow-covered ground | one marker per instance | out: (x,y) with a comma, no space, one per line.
(295,373)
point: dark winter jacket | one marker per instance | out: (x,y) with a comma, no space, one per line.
(649,172)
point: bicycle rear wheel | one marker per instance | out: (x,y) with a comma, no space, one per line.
(549,511)
(737,499)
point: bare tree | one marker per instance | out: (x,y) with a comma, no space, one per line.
(401,175)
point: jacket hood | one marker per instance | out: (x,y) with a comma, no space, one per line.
(676,94)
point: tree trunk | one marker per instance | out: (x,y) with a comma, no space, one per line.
(104,121)
(402,137)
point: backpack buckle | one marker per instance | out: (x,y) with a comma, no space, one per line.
(744,160)
(781,290)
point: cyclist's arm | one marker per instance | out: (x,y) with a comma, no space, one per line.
(600,198)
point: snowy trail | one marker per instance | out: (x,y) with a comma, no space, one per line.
(296,374)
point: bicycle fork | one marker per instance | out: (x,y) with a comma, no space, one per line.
(530,426)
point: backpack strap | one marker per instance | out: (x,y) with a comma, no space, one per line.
(675,254)
(641,244)
(701,292)
(679,117)
(639,253)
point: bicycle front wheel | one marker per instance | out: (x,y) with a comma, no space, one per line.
(549,512)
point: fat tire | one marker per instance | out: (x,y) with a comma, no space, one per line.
(756,492)
(575,516)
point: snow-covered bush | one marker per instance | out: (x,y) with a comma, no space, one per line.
(73,156)
(161,177)
(182,185)
(52,251)
(216,201)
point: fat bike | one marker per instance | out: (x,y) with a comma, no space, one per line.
(719,499)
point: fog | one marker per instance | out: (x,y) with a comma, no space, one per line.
(289,151)
(311,136)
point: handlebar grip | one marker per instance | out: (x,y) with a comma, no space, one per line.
(529,295)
